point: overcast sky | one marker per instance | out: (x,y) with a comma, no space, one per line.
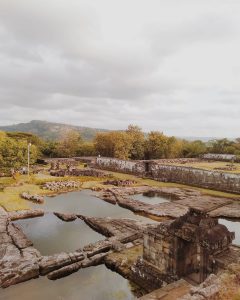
(171,65)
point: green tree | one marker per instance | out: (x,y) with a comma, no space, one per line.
(49,148)
(113,144)
(13,154)
(69,144)
(220,146)
(194,149)
(156,145)
(104,144)
(86,149)
(137,141)
(174,148)
(122,144)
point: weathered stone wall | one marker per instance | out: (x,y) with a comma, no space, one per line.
(227,182)
(156,250)
(221,157)
(196,177)
(126,166)
(175,160)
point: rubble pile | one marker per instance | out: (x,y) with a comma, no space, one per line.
(61,185)
(35,198)
(120,182)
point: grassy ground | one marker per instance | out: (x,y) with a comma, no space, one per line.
(10,193)
(209,165)
(10,189)
(126,258)
(154,183)
(230,283)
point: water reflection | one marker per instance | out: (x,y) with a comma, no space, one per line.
(95,283)
(150,198)
(85,203)
(51,235)
(232,226)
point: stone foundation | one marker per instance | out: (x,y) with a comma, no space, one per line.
(226,182)
(159,170)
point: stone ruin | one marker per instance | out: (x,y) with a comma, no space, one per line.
(119,182)
(187,247)
(79,172)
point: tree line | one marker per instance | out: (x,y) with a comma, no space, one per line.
(131,143)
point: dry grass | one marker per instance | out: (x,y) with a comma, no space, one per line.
(127,258)
(230,283)
(205,165)
(10,189)
(10,198)
(154,183)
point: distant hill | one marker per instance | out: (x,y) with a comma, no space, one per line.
(51,131)
(197,138)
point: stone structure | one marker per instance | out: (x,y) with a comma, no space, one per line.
(35,198)
(61,185)
(118,182)
(78,172)
(227,182)
(158,170)
(125,166)
(186,247)
(221,157)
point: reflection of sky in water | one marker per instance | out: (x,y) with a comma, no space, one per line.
(232,226)
(51,235)
(85,203)
(95,283)
(150,198)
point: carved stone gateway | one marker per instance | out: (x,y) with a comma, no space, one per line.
(185,248)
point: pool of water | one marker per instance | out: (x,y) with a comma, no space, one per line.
(232,226)
(85,203)
(94,283)
(150,198)
(51,235)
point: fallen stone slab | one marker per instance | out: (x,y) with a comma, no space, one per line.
(66,217)
(18,237)
(67,270)
(167,209)
(228,211)
(18,259)
(205,203)
(133,205)
(16,266)
(98,247)
(25,214)
(57,261)
(114,227)
(34,198)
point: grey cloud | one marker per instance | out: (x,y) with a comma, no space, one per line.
(82,62)
(206,28)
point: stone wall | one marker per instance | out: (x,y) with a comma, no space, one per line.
(227,182)
(118,165)
(221,157)
(156,250)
